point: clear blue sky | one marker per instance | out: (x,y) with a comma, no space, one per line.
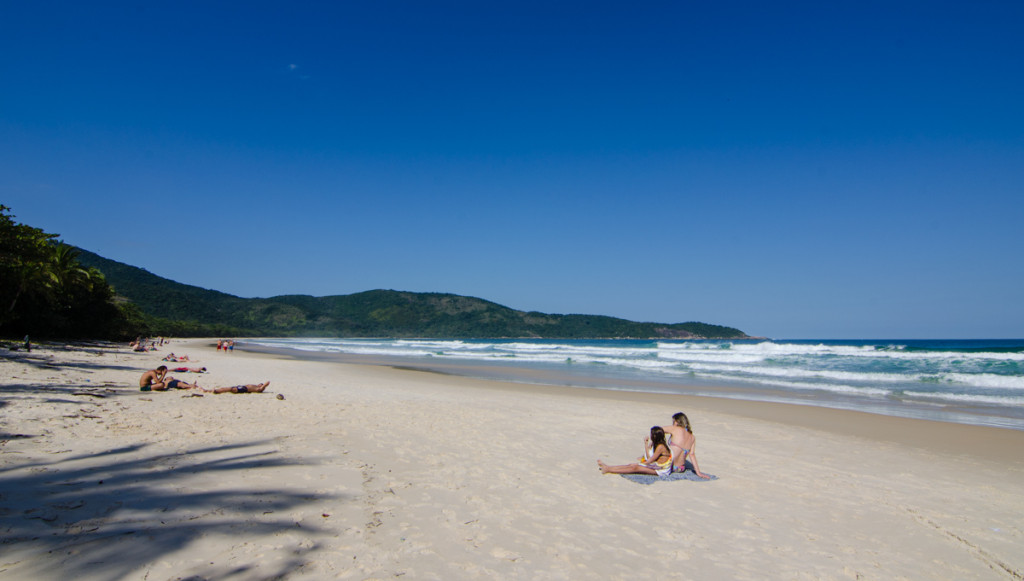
(796,170)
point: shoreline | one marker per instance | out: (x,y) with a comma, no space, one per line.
(369,471)
(1000,444)
(491,371)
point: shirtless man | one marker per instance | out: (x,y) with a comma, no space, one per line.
(157,380)
(250,388)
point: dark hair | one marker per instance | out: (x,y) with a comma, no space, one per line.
(162,368)
(682,421)
(657,437)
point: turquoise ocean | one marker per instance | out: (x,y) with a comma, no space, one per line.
(966,381)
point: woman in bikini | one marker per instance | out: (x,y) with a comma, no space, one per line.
(683,444)
(657,458)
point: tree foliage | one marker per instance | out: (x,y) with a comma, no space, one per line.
(46,292)
(183,310)
(50,289)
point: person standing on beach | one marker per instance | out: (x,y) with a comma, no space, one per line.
(683,444)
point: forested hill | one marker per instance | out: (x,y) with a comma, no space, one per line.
(188,310)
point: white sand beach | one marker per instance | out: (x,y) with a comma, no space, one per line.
(369,472)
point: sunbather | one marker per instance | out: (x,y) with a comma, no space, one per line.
(249,388)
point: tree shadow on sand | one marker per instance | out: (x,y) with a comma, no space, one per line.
(42,357)
(46,363)
(106,515)
(69,395)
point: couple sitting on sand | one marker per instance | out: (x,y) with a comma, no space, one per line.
(666,451)
(157,380)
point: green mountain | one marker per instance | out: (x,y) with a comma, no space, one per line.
(184,310)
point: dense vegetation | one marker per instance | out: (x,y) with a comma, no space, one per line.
(46,292)
(49,290)
(185,310)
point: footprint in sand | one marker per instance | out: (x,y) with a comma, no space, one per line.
(506,555)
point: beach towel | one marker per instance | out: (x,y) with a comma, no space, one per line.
(651,478)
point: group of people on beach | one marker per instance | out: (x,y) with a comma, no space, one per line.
(666,450)
(158,380)
(140,345)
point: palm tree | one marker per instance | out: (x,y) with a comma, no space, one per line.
(44,288)
(24,254)
(65,273)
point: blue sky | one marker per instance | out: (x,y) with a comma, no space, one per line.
(796,170)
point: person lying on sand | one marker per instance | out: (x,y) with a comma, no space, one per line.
(157,380)
(190,370)
(250,388)
(657,458)
(683,444)
(176,358)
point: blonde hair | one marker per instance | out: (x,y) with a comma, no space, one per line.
(682,421)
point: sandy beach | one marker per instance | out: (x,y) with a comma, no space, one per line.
(371,472)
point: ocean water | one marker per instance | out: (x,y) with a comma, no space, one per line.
(966,381)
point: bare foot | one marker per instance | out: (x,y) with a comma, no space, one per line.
(602,466)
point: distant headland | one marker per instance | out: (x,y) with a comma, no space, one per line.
(172,308)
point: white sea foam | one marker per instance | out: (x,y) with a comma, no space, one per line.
(969,398)
(866,371)
(989,380)
(724,356)
(770,349)
(804,386)
(796,373)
